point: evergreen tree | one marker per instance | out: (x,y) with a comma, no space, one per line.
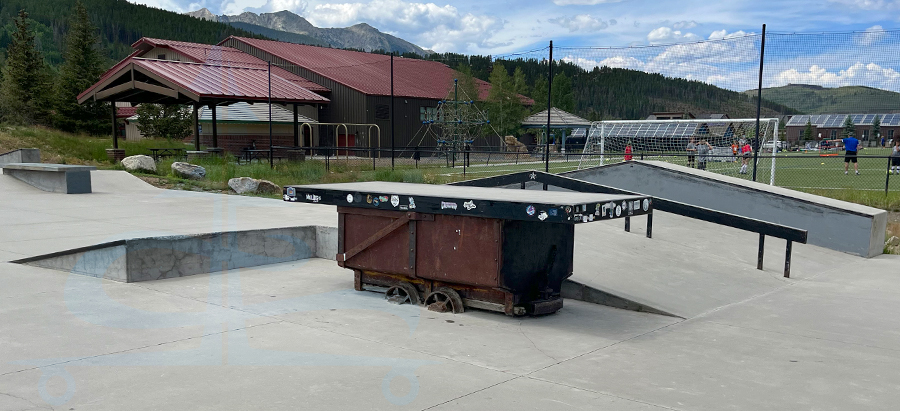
(539,94)
(563,96)
(808,132)
(520,84)
(81,69)
(25,92)
(849,127)
(876,127)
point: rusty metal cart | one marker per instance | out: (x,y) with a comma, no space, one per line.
(453,247)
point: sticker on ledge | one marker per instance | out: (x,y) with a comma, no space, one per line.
(542,216)
(395,200)
(469,205)
(412,203)
(349,198)
(618,210)
(585,218)
(291,191)
(530,210)
(646,204)
(383,199)
(375,202)
(369,199)
(448,205)
(313,198)
(554,212)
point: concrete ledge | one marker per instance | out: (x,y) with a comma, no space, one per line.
(52,177)
(20,156)
(834,224)
(137,260)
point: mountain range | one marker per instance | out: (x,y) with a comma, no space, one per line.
(287,26)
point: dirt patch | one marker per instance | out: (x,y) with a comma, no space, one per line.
(174,184)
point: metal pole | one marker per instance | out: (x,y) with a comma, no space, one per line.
(271,151)
(196,127)
(549,106)
(774,149)
(392,110)
(887,179)
(114,131)
(762,54)
(762,249)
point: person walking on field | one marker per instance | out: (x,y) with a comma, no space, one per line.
(895,157)
(745,157)
(691,151)
(851,145)
(703,149)
(628,151)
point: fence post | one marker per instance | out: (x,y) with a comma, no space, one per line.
(762,54)
(887,179)
(549,110)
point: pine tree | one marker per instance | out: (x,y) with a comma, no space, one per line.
(563,96)
(25,92)
(808,132)
(504,106)
(171,121)
(81,69)
(876,127)
(849,127)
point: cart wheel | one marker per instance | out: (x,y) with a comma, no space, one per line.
(401,293)
(444,299)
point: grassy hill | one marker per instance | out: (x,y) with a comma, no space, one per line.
(813,99)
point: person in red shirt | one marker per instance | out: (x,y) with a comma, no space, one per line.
(745,157)
(628,155)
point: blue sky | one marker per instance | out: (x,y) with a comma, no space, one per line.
(500,27)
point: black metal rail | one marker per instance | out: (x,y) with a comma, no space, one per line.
(763,228)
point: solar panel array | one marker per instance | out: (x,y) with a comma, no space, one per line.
(651,129)
(837,120)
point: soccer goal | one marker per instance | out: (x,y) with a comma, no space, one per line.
(668,140)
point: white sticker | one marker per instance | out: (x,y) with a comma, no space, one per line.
(412,203)
(637,204)
(646,204)
(584,218)
(349,198)
(448,205)
(471,205)
(542,215)
(286,197)
(590,218)
(395,200)
(618,210)
(313,198)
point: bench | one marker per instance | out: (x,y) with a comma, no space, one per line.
(52,177)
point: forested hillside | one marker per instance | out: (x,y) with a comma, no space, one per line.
(811,99)
(612,93)
(120,24)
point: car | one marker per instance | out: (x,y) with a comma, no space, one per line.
(780,144)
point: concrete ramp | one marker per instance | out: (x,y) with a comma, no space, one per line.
(834,224)
(152,258)
(20,156)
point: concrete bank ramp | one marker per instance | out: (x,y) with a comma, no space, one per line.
(152,258)
(834,224)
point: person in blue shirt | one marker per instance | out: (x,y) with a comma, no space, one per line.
(851,145)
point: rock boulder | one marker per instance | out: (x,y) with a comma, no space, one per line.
(250,185)
(188,171)
(139,163)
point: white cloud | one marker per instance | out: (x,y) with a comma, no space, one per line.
(172,5)
(723,34)
(667,35)
(680,25)
(584,2)
(871,36)
(870,4)
(858,74)
(582,23)
(441,28)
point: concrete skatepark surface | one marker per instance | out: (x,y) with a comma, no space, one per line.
(295,335)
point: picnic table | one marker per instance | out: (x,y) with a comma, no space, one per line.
(259,154)
(157,153)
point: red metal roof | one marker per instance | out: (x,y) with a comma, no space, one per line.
(244,83)
(125,111)
(221,55)
(367,72)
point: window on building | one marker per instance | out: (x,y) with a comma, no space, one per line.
(891,134)
(865,135)
(382,112)
(834,134)
(161,56)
